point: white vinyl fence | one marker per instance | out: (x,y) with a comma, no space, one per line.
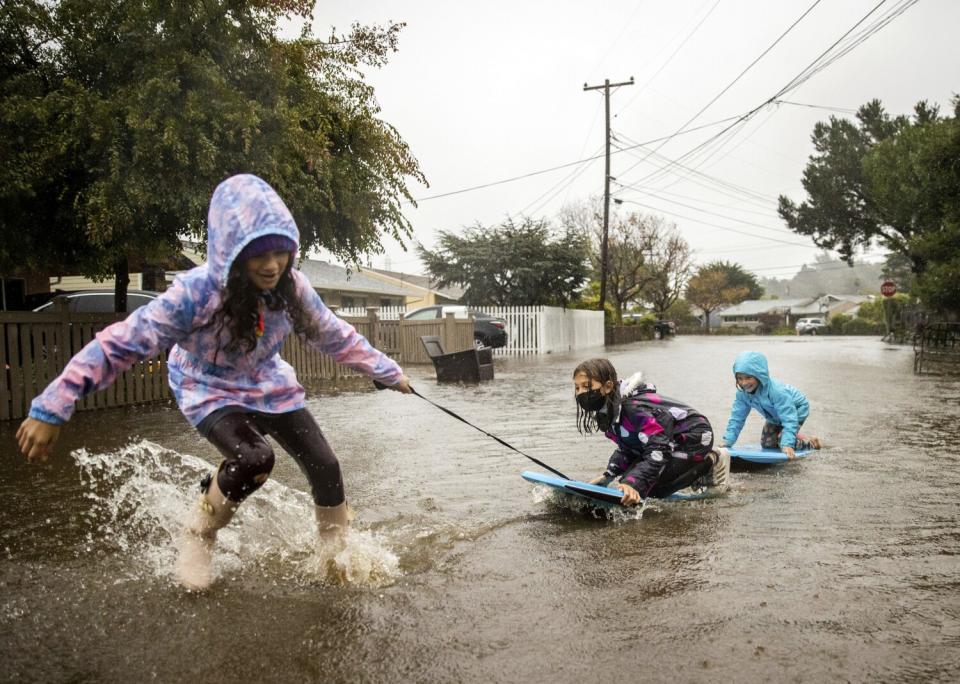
(384,313)
(548,329)
(530,329)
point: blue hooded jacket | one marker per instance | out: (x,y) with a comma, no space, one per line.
(776,401)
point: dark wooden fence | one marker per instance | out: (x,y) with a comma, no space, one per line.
(35,347)
(936,346)
(624,334)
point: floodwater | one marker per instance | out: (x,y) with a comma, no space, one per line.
(841,567)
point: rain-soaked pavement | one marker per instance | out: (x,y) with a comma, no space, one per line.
(842,567)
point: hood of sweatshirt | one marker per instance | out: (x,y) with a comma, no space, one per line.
(243,208)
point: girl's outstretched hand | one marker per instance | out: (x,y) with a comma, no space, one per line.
(403,386)
(631,497)
(36,438)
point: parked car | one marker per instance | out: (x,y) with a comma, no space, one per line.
(488,331)
(810,326)
(100,301)
(663,328)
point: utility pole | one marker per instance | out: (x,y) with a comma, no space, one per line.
(607,85)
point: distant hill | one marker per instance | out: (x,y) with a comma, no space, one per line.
(826,275)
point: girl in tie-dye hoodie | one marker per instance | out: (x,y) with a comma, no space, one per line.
(224,323)
(663,445)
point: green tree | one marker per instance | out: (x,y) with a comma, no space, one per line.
(117,120)
(915,179)
(512,264)
(840,213)
(738,277)
(711,288)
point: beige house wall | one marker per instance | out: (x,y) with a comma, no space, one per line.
(418,297)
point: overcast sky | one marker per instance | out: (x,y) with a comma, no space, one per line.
(488,91)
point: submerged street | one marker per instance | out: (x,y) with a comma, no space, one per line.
(842,566)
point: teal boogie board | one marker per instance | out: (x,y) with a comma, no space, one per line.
(756,454)
(599,494)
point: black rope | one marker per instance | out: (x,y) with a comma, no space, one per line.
(464,420)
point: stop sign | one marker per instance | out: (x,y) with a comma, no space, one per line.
(888,288)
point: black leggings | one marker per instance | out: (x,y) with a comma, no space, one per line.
(241,438)
(678,473)
(770,437)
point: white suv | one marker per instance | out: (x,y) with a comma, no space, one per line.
(810,326)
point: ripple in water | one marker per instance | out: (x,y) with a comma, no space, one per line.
(141,493)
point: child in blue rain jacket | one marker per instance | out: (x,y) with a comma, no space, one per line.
(783,406)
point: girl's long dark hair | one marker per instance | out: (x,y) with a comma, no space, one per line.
(600,370)
(240,309)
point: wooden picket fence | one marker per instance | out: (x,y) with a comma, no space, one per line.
(35,347)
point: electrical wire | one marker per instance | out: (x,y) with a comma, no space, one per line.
(714,225)
(556,168)
(738,77)
(669,59)
(817,65)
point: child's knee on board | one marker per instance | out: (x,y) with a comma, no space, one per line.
(770,437)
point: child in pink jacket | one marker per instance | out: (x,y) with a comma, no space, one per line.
(225,322)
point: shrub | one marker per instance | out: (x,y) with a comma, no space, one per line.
(859,326)
(836,324)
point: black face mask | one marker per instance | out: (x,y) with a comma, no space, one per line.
(592,400)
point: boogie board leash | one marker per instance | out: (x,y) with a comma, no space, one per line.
(556,472)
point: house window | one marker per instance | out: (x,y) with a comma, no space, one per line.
(346,302)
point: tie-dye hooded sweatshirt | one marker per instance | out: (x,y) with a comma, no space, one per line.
(778,402)
(649,430)
(242,209)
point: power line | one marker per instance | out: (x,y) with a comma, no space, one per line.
(669,59)
(738,77)
(737,120)
(711,213)
(844,110)
(718,185)
(714,225)
(561,166)
(807,72)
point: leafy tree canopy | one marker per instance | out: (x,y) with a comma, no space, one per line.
(895,181)
(515,263)
(117,120)
(738,277)
(713,286)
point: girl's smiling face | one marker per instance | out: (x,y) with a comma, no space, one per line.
(264,271)
(747,383)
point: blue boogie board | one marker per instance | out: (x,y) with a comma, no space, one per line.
(757,454)
(602,495)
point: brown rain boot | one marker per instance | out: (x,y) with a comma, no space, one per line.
(332,522)
(211,513)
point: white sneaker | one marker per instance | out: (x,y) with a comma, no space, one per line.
(719,474)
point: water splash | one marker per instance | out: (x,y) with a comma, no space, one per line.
(141,493)
(599,510)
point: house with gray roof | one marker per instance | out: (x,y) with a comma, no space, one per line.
(747,314)
(346,289)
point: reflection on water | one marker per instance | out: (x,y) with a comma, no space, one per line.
(839,567)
